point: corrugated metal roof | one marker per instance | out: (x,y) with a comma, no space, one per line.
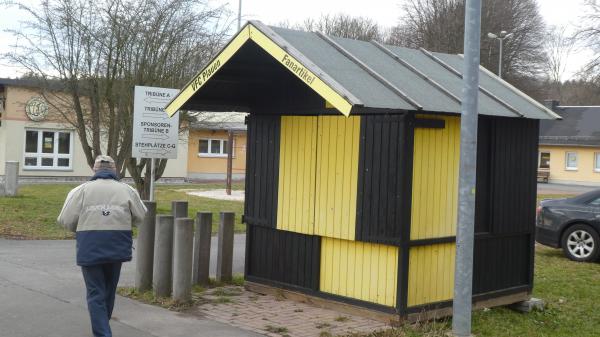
(409,72)
(360,75)
(579,126)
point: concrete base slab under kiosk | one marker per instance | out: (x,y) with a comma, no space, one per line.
(394,319)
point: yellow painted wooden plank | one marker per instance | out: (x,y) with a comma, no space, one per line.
(295,207)
(431,273)
(359,270)
(435,180)
(337,176)
(330,151)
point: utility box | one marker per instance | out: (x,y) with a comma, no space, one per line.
(352,170)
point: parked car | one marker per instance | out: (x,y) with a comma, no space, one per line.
(572,224)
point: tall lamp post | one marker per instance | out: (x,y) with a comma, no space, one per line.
(239,14)
(500,37)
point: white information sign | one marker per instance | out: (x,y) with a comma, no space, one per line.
(155,134)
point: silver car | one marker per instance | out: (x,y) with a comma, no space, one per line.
(572,224)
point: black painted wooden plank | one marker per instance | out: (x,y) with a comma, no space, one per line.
(280,256)
(262,170)
(427,123)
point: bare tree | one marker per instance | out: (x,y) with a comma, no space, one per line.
(341,25)
(438,25)
(588,36)
(558,47)
(580,92)
(96,52)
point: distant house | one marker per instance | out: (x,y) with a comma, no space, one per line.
(207,148)
(33,133)
(569,149)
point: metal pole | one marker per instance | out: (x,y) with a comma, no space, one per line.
(500,60)
(229,161)
(152,175)
(463,273)
(240,14)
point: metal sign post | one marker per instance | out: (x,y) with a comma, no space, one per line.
(155,134)
(152,178)
(229,162)
(463,274)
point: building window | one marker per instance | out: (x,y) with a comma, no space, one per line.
(597,161)
(571,161)
(213,148)
(48,150)
(544,160)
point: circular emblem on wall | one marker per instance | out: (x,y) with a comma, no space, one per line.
(36,109)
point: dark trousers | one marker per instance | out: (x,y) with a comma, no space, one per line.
(101,283)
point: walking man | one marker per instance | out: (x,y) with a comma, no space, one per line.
(102,212)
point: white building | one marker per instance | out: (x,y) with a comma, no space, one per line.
(46,147)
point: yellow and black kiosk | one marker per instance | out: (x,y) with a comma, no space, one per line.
(352,169)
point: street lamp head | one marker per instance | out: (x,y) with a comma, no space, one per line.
(492,36)
(502,33)
(508,35)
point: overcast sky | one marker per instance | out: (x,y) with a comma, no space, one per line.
(385,12)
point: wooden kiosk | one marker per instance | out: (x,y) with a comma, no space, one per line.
(352,170)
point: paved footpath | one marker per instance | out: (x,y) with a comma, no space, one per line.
(42,295)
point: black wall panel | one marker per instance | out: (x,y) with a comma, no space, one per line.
(506,175)
(262,167)
(384,175)
(282,256)
(501,262)
(513,174)
(505,203)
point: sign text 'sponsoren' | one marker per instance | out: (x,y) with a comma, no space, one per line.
(155,134)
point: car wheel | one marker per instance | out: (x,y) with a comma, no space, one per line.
(581,243)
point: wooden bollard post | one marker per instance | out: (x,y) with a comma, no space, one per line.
(202,237)
(182,259)
(179,209)
(145,249)
(163,256)
(225,247)
(11,178)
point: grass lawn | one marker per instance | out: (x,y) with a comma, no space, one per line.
(571,290)
(32,214)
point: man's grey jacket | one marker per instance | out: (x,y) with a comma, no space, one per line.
(102,213)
